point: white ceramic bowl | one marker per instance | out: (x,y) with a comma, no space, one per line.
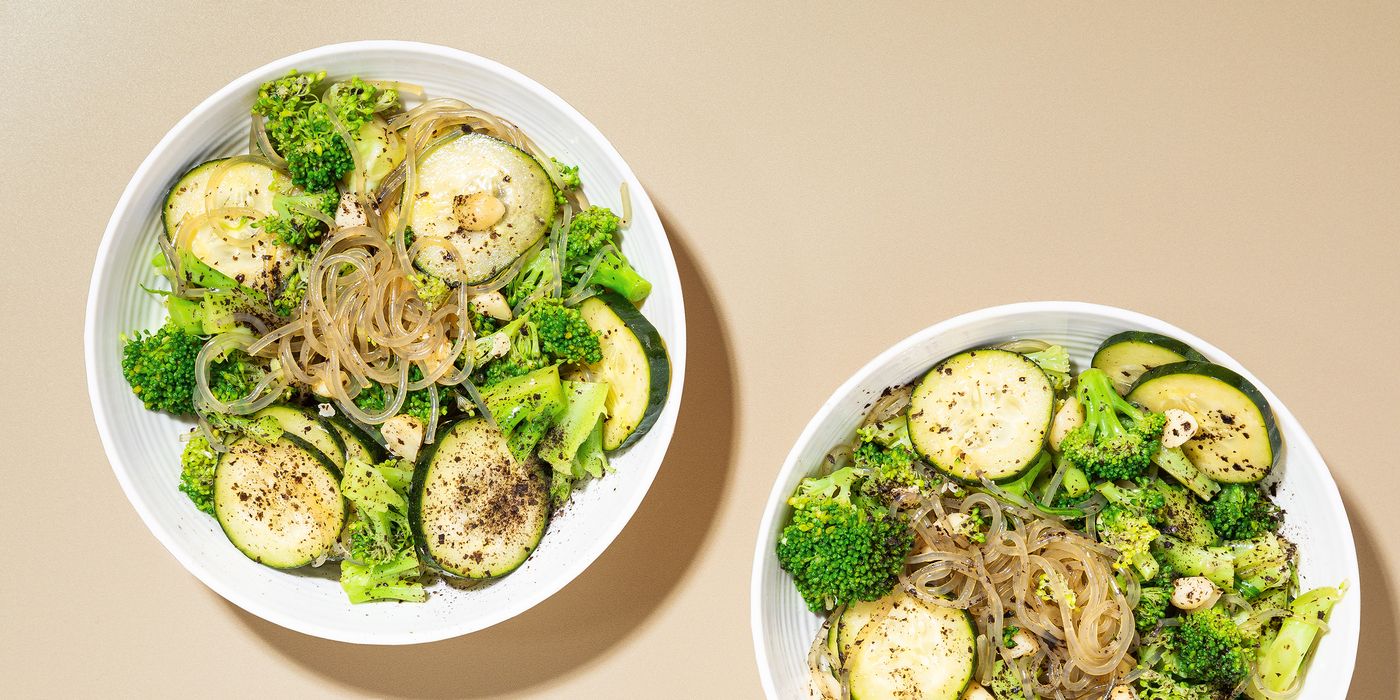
(782,626)
(143,446)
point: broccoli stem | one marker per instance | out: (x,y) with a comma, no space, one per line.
(615,273)
(1173,461)
(1214,563)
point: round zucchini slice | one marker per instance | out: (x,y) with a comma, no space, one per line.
(279,504)
(918,651)
(453,179)
(1125,356)
(635,366)
(982,412)
(1236,439)
(476,512)
(261,266)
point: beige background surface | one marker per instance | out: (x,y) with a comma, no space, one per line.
(833,177)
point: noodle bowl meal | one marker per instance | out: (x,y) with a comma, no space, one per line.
(404,331)
(1005,527)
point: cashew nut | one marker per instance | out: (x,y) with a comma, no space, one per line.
(1180,427)
(1194,592)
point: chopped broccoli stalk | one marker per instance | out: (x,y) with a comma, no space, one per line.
(217,310)
(1182,515)
(1116,440)
(1132,535)
(384,581)
(1006,682)
(1075,484)
(842,546)
(560,446)
(1152,605)
(197,465)
(1211,649)
(521,405)
(160,368)
(185,314)
(1021,487)
(1242,511)
(1261,563)
(1173,461)
(291,226)
(1186,559)
(1280,663)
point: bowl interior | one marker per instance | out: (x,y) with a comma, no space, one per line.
(143,446)
(782,626)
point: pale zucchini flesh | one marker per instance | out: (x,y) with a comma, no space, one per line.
(476,512)
(279,504)
(1236,440)
(467,165)
(634,365)
(1125,356)
(982,412)
(310,428)
(918,651)
(263,265)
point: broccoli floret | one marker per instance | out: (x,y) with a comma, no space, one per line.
(1211,649)
(568,176)
(890,433)
(1242,511)
(1008,632)
(300,129)
(432,290)
(292,290)
(890,472)
(1117,440)
(1006,682)
(418,404)
(1045,590)
(842,546)
(1156,686)
(1152,604)
(590,232)
(521,354)
(197,464)
(235,376)
(564,335)
(536,271)
(160,368)
(294,228)
(1132,535)
(1141,500)
(355,102)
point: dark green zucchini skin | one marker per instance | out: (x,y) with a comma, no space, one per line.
(1150,338)
(658,360)
(376,451)
(320,457)
(1231,379)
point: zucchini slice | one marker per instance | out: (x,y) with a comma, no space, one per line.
(309,427)
(357,444)
(1236,439)
(918,651)
(1125,356)
(476,512)
(843,635)
(982,411)
(635,366)
(479,164)
(279,504)
(261,266)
